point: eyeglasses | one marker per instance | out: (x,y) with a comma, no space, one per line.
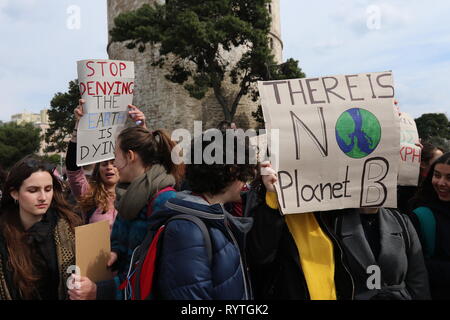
(35,164)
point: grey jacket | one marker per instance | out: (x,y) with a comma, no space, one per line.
(403,275)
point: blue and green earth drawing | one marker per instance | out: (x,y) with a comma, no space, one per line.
(358,133)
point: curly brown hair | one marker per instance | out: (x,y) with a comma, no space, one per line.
(214,177)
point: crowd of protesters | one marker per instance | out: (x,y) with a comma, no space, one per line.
(222,235)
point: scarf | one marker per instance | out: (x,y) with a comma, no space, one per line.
(141,190)
(64,238)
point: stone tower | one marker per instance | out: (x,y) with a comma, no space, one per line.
(168,105)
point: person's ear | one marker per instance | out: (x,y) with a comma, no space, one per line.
(15,195)
(131,156)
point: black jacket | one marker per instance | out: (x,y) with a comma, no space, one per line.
(400,261)
(438,265)
(274,261)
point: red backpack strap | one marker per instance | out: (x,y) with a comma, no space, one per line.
(142,288)
(150,202)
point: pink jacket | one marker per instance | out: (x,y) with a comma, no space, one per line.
(79,186)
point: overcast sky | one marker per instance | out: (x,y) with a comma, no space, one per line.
(41,44)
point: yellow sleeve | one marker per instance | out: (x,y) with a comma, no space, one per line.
(272,200)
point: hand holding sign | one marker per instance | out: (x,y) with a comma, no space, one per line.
(84,290)
(79,112)
(112,259)
(269,176)
(137,116)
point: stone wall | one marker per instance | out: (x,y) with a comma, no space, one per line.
(168,105)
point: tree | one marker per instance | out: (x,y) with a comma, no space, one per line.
(61,118)
(197,34)
(431,125)
(17,141)
(287,70)
(55,159)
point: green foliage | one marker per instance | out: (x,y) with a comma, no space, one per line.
(54,159)
(287,70)
(197,34)
(433,125)
(17,141)
(61,118)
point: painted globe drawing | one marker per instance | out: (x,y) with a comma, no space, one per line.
(358,132)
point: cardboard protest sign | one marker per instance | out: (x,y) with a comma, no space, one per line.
(410,154)
(107,86)
(92,250)
(338,141)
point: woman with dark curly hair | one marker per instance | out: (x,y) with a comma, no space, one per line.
(186,270)
(37,242)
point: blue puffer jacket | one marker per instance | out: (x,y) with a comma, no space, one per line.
(184,271)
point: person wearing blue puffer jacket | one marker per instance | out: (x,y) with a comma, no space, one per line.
(185,270)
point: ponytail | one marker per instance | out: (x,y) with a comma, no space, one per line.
(153,148)
(165,147)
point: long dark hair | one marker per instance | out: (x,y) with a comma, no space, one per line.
(153,148)
(426,195)
(19,252)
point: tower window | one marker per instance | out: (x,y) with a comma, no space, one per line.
(270,8)
(271,43)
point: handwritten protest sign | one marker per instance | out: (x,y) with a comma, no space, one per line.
(409,169)
(338,141)
(107,87)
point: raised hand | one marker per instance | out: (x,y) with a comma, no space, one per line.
(137,116)
(269,176)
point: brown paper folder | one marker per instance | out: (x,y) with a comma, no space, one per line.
(93,247)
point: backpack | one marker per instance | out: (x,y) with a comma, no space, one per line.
(140,278)
(427,229)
